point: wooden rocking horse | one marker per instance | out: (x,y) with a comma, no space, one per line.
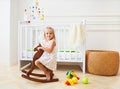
(28,74)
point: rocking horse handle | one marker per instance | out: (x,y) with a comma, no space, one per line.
(36,56)
(35,49)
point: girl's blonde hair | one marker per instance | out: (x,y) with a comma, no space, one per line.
(52,29)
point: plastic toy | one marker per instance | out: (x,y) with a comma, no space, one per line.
(27,74)
(85,80)
(71,74)
(72,78)
(71,81)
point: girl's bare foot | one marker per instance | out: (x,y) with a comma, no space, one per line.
(49,75)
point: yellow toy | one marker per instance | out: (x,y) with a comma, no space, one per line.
(72,78)
(72,81)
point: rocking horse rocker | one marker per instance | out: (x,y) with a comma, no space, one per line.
(28,74)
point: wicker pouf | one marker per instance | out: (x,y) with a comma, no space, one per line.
(102,62)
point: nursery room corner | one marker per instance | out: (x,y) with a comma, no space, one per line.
(60,44)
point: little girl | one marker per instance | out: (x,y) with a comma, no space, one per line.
(47,62)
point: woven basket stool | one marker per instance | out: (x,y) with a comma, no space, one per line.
(102,62)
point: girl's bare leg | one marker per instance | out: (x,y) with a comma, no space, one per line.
(47,71)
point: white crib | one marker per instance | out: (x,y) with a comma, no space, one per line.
(29,35)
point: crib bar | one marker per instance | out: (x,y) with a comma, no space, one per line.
(31,38)
(26,41)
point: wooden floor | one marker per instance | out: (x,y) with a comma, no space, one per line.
(10,78)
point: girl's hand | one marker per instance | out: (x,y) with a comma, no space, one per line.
(39,48)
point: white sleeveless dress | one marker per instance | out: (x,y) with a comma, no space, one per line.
(49,59)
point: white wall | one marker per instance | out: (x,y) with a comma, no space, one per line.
(8,32)
(13,31)
(75,7)
(4,32)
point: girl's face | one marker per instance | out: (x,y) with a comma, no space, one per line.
(49,34)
